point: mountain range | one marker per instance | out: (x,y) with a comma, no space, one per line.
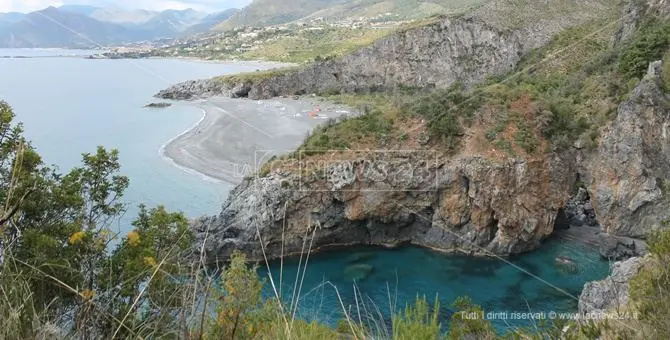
(87,26)
(272,12)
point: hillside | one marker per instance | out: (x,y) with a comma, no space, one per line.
(171,22)
(87,26)
(121,16)
(11,17)
(477,133)
(54,28)
(407,9)
(208,23)
(272,12)
(483,148)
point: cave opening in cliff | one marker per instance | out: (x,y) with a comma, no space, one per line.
(577,220)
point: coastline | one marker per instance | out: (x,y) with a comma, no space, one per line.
(235,136)
(263,64)
(163,154)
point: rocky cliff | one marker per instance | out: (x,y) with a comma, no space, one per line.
(629,174)
(611,293)
(465,202)
(468,49)
(468,204)
(474,201)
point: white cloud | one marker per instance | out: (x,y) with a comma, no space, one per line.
(202,5)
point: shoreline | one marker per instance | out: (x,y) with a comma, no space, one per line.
(272,64)
(235,136)
(163,154)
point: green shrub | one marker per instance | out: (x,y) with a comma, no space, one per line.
(417,322)
(340,135)
(469,321)
(648,45)
(445,111)
(650,288)
(665,74)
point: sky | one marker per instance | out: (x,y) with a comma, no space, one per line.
(26,6)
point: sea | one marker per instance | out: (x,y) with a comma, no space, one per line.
(69,105)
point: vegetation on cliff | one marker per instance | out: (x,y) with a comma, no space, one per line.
(272,12)
(59,279)
(64,272)
(558,97)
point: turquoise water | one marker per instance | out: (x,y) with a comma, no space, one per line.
(532,282)
(71,105)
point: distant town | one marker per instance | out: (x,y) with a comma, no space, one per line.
(237,43)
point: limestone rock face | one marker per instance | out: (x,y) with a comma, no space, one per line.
(463,202)
(466,204)
(468,49)
(633,12)
(611,292)
(630,173)
(619,248)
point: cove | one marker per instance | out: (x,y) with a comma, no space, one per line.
(71,105)
(388,279)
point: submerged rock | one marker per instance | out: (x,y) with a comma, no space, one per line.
(357,272)
(567,263)
(359,257)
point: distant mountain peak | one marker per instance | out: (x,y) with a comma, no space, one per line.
(94,26)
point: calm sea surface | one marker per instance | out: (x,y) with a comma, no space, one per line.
(70,105)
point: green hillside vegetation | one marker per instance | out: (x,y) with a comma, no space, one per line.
(272,12)
(559,96)
(292,44)
(64,273)
(314,44)
(406,9)
(59,279)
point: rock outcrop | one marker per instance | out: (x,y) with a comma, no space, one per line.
(488,41)
(578,212)
(612,292)
(617,248)
(628,176)
(466,204)
(633,13)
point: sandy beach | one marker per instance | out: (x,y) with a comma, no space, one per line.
(236,135)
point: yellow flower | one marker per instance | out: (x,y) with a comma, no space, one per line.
(87,294)
(76,237)
(250,329)
(149,261)
(133,238)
